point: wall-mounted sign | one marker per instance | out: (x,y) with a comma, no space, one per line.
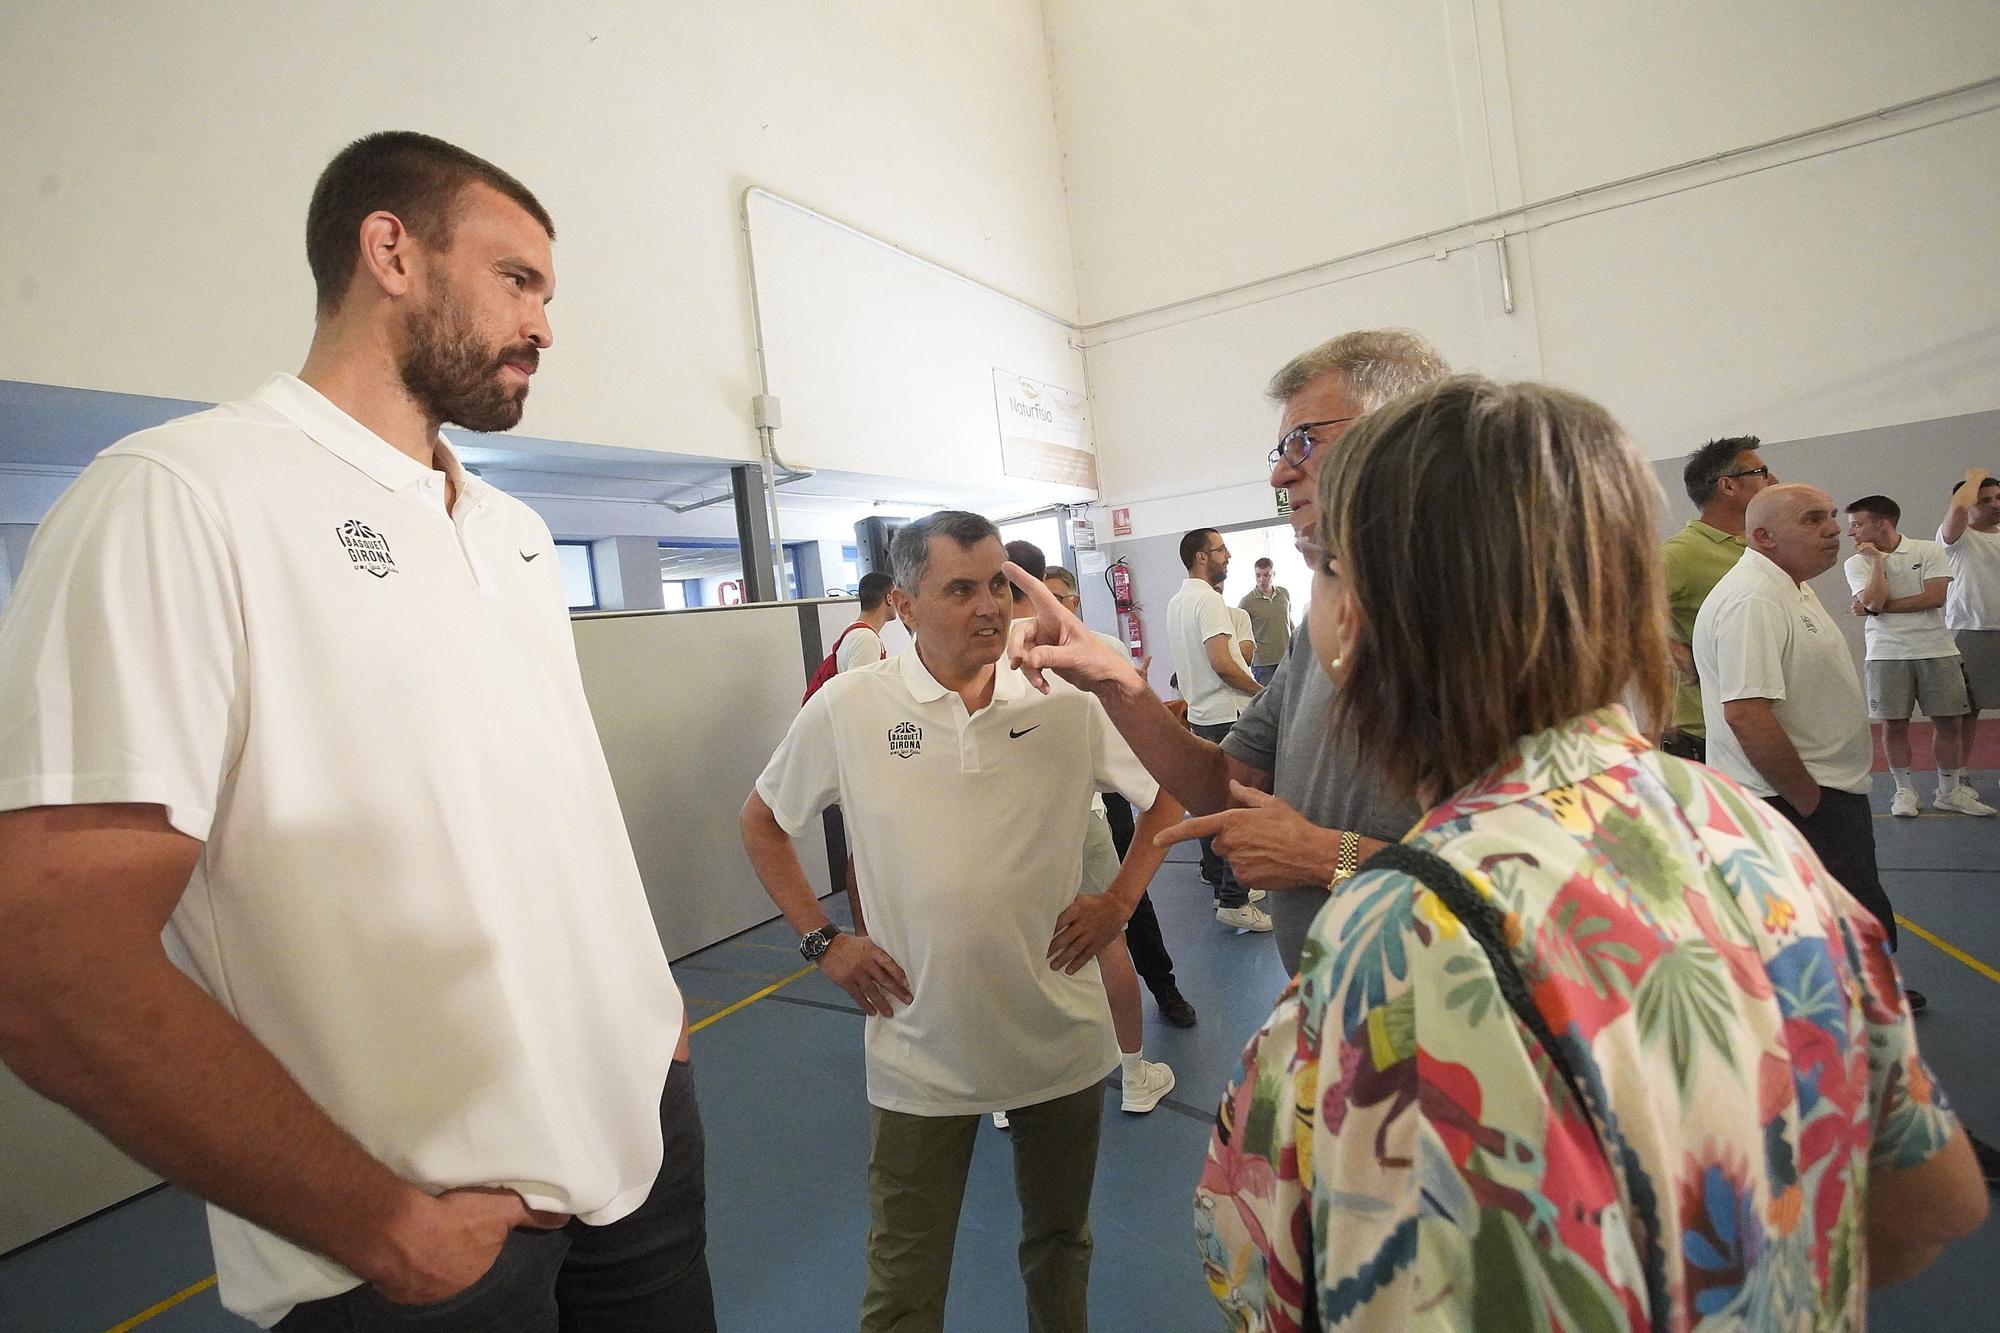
(1284,503)
(1121,521)
(1082,535)
(1042,432)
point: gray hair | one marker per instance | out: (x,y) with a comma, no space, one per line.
(1058,572)
(1376,365)
(910,551)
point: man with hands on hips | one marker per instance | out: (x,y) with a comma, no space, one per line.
(965,794)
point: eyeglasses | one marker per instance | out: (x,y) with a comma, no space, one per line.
(1297,444)
(1751,472)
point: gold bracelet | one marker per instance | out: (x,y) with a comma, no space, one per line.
(1349,860)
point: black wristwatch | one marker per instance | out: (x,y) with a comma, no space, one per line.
(813,945)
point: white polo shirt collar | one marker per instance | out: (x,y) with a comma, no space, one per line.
(925,689)
(354,444)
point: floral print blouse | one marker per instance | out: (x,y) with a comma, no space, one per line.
(1398,1153)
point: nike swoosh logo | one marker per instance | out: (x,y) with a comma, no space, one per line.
(526,556)
(1016,735)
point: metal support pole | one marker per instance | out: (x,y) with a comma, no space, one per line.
(753,531)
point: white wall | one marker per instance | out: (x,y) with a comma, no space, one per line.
(1841,281)
(158,159)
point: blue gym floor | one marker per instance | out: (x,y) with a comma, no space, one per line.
(779,1070)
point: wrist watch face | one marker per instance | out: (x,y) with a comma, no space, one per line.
(815,944)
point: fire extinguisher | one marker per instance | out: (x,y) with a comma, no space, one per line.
(1119,579)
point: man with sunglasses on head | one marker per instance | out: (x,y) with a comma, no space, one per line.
(1282,795)
(1721,477)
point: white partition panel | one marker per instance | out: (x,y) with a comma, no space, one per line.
(690,705)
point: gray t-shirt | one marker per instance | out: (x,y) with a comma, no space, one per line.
(1284,732)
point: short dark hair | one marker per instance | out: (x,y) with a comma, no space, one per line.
(1706,465)
(910,548)
(1193,544)
(1029,557)
(1881,506)
(874,589)
(1983,484)
(1263,562)
(414,176)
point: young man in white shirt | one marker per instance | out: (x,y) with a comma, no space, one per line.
(861,642)
(1970,535)
(1781,702)
(1216,682)
(1143,938)
(285,682)
(1899,584)
(966,794)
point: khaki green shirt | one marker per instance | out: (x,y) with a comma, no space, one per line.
(1695,558)
(1271,623)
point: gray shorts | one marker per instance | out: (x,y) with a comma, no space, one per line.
(1980,649)
(1898,686)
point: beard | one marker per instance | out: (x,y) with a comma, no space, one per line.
(455,377)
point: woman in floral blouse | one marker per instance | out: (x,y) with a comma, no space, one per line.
(1400,1152)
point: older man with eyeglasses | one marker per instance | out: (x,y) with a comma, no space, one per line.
(1282,795)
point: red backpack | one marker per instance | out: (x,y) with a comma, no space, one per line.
(829,666)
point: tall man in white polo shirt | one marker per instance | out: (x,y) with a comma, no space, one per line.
(1780,700)
(1216,682)
(285,681)
(1899,584)
(966,794)
(1970,535)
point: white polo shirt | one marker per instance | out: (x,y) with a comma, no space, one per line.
(1974,599)
(1761,636)
(415,886)
(1905,636)
(859,647)
(1197,614)
(968,844)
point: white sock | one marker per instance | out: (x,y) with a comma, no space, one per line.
(1957,776)
(1902,776)
(1130,1064)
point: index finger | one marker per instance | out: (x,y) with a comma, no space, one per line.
(1045,602)
(1200,826)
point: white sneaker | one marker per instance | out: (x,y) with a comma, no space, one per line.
(1904,806)
(1144,1093)
(1245,917)
(1960,801)
(1256,895)
(999,1120)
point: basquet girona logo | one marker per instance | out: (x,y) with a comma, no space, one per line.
(367,548)
(906,740)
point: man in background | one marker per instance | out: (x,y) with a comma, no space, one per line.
(1270,609)
(1720,477)
(1899,584)
(1216,683)
(1784,711)
(862,642)
(1970,535)
(1142,932)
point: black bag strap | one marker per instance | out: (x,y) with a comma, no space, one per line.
(1483,923)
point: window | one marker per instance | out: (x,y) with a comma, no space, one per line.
(579,575)
(1044,530)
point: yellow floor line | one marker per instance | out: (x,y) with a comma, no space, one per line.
(1983,969)
(773,988)
(169,1303)
(198,1288)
